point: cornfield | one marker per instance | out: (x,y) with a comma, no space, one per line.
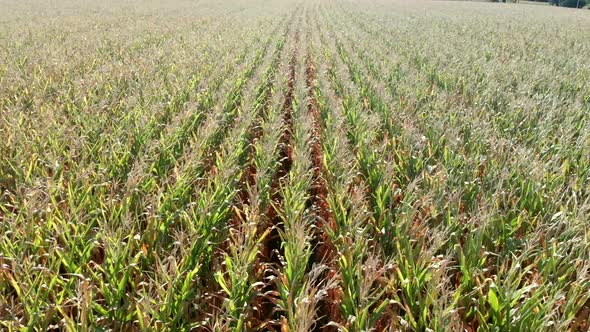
(294,165)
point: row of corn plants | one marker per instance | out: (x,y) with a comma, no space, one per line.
(361,267)
(240,273)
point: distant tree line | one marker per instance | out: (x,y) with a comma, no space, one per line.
(564,3)
(560,3)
